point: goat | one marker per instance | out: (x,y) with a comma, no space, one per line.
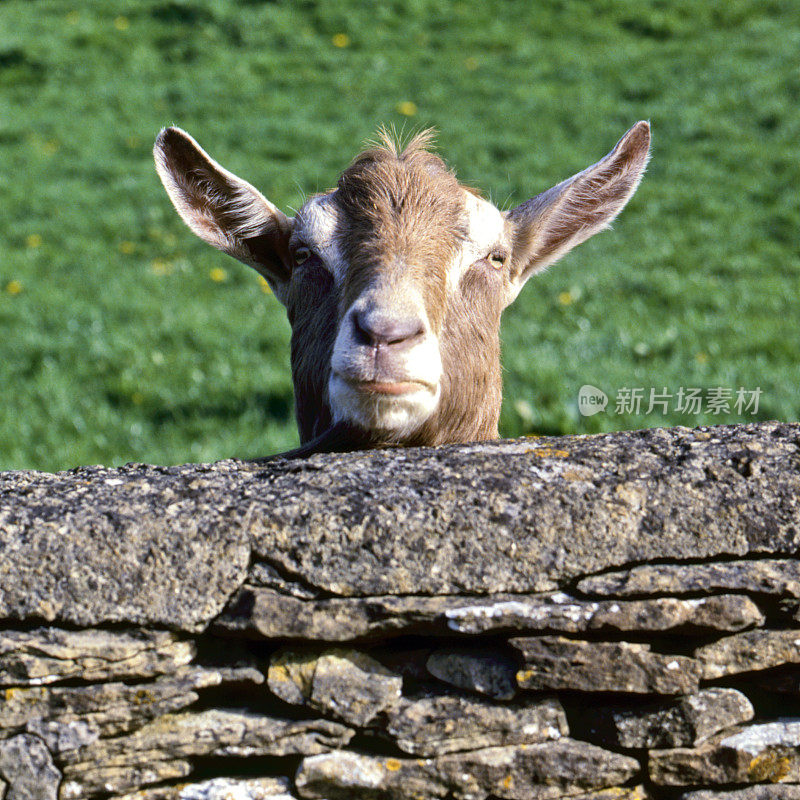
(394,281)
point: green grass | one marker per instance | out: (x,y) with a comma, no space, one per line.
(116,344)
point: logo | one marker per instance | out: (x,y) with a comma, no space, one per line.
(591,400)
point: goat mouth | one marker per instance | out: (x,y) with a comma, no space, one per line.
(388,387)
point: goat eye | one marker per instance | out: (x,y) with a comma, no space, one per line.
(497,260)
(301,255)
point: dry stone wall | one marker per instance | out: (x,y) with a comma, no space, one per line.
(613,617)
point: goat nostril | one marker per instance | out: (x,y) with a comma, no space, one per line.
(409,331)
(373,329)
(362,333)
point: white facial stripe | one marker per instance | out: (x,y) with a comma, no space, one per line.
(485,230)
(318,225)
(352,362)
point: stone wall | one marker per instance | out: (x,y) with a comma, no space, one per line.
(586,617)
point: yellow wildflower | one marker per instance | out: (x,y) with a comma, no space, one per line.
(161,267)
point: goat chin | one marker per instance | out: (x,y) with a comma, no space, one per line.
(389,417)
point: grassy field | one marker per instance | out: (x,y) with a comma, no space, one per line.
(123,338)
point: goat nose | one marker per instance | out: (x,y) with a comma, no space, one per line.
(373,328)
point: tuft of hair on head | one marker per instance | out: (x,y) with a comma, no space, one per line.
(390,140)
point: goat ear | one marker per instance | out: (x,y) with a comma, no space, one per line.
(552,223)
(224,210)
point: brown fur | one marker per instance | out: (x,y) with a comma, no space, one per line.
(313,315)
(472,385)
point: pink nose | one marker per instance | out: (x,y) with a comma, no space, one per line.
(376,329)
